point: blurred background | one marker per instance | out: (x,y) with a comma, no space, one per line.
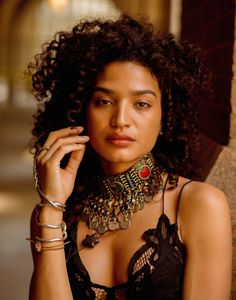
(25,25)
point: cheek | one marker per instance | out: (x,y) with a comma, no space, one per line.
(153,135)
(94,128)
(93,135)
(91,121)
(153,129)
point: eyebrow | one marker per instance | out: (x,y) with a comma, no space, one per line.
(134,93)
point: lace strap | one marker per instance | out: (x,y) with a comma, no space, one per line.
(179,198)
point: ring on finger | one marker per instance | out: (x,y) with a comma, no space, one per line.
(43,149)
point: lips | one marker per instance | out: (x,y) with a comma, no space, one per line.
(121,140)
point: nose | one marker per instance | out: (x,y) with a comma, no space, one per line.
(121,116)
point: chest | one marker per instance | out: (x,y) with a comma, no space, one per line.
(108,262)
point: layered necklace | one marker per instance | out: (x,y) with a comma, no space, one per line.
(117,198)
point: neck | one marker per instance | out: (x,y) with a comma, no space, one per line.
(114,168)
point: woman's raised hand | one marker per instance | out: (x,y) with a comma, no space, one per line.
(57,183)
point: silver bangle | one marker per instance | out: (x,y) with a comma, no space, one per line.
(57,205)
(62,225)
(59,239)
(54,204)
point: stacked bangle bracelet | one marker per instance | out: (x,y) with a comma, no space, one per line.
(41,244)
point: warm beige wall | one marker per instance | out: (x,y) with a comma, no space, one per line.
(157,11)
(6,10)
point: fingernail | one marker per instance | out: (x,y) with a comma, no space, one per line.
(85,137)
(78,128)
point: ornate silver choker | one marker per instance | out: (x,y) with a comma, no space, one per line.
(118,197)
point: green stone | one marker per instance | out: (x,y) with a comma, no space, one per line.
(117,187)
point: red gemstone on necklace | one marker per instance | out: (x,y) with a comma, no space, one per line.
(144,172)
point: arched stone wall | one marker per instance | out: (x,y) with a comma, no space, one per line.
(24,26)
(156,11)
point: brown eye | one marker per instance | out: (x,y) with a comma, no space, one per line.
(142,104)
(103,102)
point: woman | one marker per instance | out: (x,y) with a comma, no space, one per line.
(115,139)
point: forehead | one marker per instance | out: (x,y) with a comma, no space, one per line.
(127,73)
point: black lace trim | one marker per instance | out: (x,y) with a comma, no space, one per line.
(155,270)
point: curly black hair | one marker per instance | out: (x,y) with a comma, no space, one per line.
(65,72)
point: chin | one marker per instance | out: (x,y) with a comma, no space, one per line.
(111,154)
(122,156)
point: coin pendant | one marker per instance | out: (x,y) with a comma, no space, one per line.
(102,228)
(113,225)
(93,224)
(125,224)
(121,217)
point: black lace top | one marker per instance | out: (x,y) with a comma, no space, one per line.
(155,271)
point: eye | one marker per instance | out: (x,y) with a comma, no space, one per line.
(142,104)
(104,102)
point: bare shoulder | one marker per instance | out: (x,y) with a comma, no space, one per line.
(205,229)
(203,206)
(203,197)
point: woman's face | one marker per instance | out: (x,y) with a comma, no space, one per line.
(124,115)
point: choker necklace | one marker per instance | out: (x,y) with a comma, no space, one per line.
(117,198)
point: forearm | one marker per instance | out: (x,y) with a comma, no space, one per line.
(50,280)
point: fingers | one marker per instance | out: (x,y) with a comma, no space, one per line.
(55,135)
(55,182)
(64,146)
(60,143)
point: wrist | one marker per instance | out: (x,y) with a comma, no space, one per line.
(51,232)
(48,214)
